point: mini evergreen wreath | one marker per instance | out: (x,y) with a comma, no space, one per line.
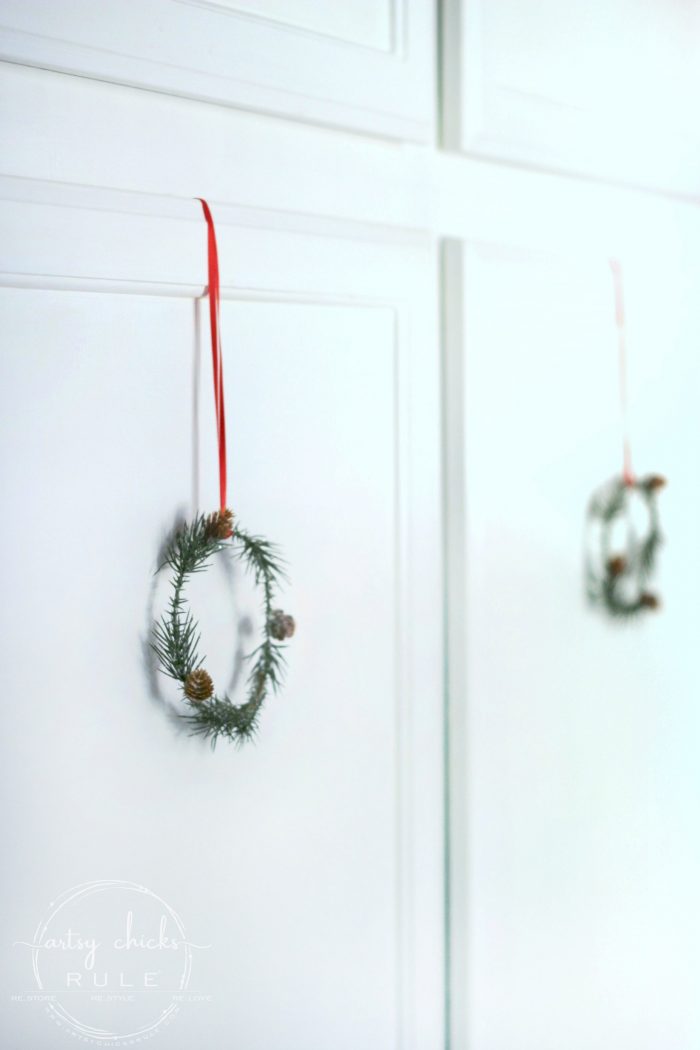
(618,579)
(176,637)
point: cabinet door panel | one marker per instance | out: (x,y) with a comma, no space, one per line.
(366,66)
(574,845)
(316,850)
(607,88)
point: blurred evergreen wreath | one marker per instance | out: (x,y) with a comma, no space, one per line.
(617,579)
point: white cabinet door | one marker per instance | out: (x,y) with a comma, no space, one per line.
(366,65)
(600,87)
(309,861)
(575,844)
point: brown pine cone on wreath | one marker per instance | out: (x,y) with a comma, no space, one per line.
(281,625)
(617,565)
(654,482)
(199,685)
(219,525)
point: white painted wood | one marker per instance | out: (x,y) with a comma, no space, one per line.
(457,862)
(605,89)
(327,243)
(311,862)
(574,854)
(180,148)
(368,67)
(362,22)
(48,242)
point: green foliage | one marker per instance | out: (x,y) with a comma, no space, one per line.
(175,637)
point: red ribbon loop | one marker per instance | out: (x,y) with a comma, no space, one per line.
(214,293)
(627,472)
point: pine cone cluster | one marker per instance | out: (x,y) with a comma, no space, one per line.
(649,601)
(219,525)
(281,625)
(199,685)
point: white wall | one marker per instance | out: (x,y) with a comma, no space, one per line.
(313,862)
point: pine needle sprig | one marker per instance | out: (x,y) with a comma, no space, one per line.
(176,636)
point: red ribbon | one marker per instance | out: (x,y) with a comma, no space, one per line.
(214,293)
(627,472)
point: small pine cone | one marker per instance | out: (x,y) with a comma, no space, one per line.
(281,625)
(219,525)
(654,482)
(649,601)
(617,565)
(198,685)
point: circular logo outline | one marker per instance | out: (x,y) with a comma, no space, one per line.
(87,889)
